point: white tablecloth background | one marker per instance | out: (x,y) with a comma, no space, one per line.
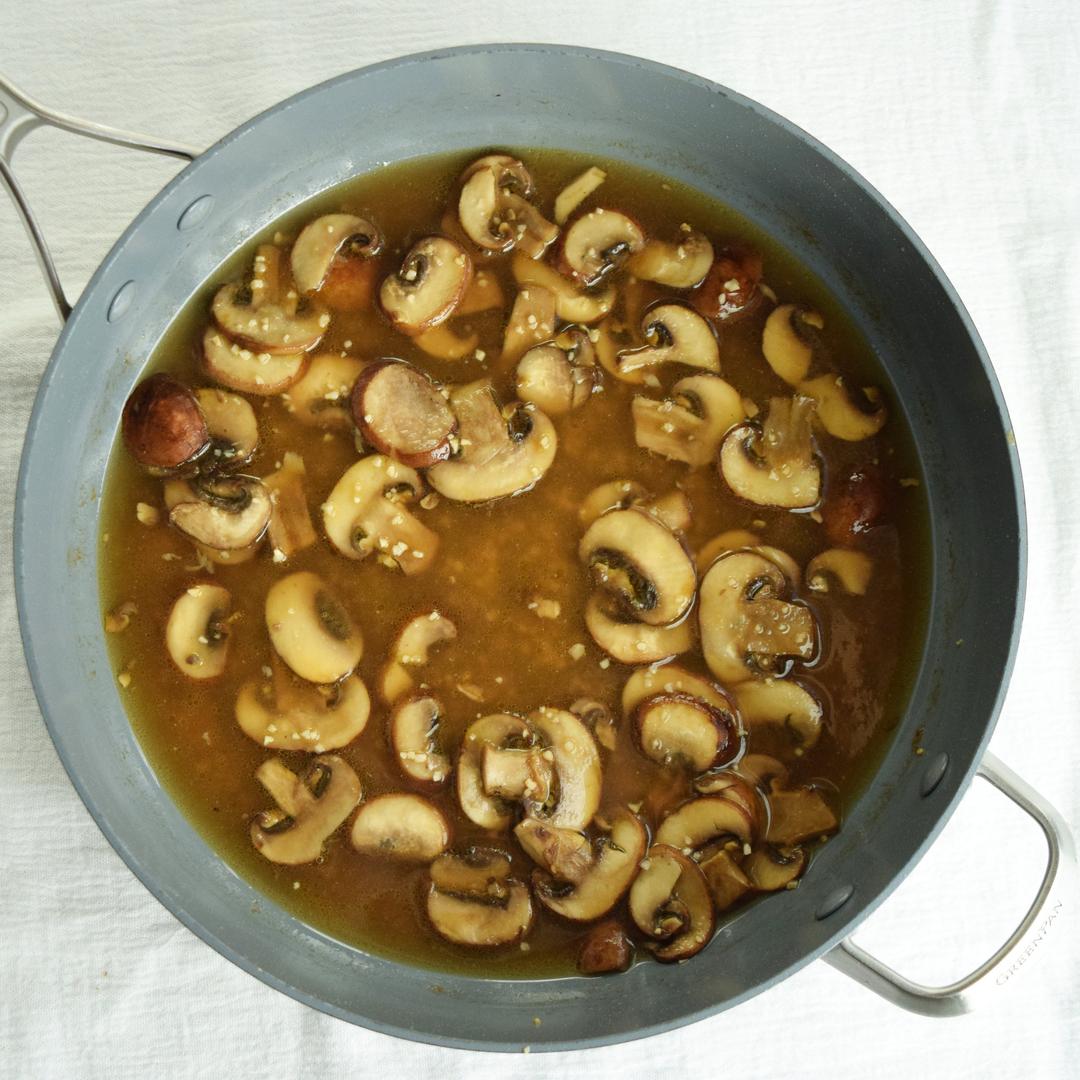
(966,115)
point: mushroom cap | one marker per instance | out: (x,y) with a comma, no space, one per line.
(683,729)
(676,334)
(432,280)
(326,239)
(682,265)
(226,513)
(414,723)
(631,642)
(784,704)
(163,425)
(787,341)
(196,633)
(596,244)
(250,371)
(232,428)
(846,412)
(703,820)
(670,901)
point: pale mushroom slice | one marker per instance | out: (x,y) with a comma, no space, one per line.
(482,923)
(598,243)
(232,427)
(690,423)
(783,704)
(573,304)
(559,376)
(400,412)
(599,719)
(797,816)
(577,769)
(679,265)
(444,343)
(163,425)
(748,628)
(577,191)
(566,854)
(429,285)
(610,495)
(311,630)
(727,882)
(412,648)
(632,642)
(705,820)
(787,341)
(329,240)
(366,513)
(290,529)
(671,903)
(225,513)
(846,412)
(770,868)
(264,313)
(683,730)
(320,398)
(743,539)
(644,564)
(503,451)
(850,569)
(494,210)
(670,679)
(252,371)
(400,826)
(672,509)
(314,718)
(197,630)
(531,322)
(518,773)
(483,294)
(498,730)
(414,731)
(774,463)
(613,869)
(674,334)
(310,808)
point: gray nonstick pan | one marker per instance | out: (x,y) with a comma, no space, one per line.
(624,108)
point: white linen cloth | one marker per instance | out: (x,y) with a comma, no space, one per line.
(966,115)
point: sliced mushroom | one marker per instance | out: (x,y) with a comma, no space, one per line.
(431,282)
(483,923)
(311,630)
(611,495)
(311,807)
(315,718)
(503,451)
(263,314)
(401,826)
(609,877)
(577,768)
(670,679)
(519,773)
(629,641)
(673,510)
(366,513)
(852,569)
(572,303)
(483,294)
(598,718)
(233,429)
(764,771)
(577,191)
(557,379)
(788,341)
(743,539)
(320,398)
(732,288)
(682,265)
(444,343)
(748,628)
(566,854)
(197,632)
(226,513)
(798,815)
(598,243)
(641,562)
(857,502)
(250,371)
(414,727)
(781,703)
(606,948)
(494,210)
(771,868)
(690,424)
(682,729)
(412,649)
(477,872)
(400,412)
(290,529)
(670,902)
(675,334)
(726,880)
(163,424)
(705,820)
(846,412)
(733,787)
(499,730)
(331,246)
(532,321)
(774,464)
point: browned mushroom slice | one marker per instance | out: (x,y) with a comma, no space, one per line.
(606,948)
(764,771)
(266,315)
(846,412)
(732,288)
(252,371)
(320,398)
(400,412)
(784,704)
(729,785)
(788,341)
(477,872)
(366,513)
(311,807)
(556,379)
(572,303)
(483,923)
(705,820)
(431,282)
(725,877)
(670,679)
(233,429)
(774,464)
(640,561)
(798,815)
(503,451)
(412,649)
(598,243)
(164,427)
(311,630)
(329,242)
(682,729)
(518,773)
(771,868)
(225,513)
(577,191)
(196,633)
(598,718)
(400,826)
(690,424)
(414,727)
(850,569)
(577,768)
(532,321)
(682,265)
(290,529)
(857,502)
(671,903)
(498,729)
(629,641)
(566,854)
(675,334)
(607,880)
(494,210)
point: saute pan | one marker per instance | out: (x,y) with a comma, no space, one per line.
(780,178)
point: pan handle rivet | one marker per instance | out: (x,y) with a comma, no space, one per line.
(121,302)
(935,773)
(834,901)
(195,213)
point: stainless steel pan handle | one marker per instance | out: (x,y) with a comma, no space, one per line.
(1056,893)
(19,115)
